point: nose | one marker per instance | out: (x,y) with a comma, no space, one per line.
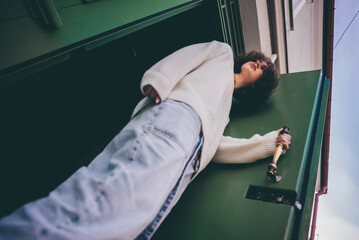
(261,65)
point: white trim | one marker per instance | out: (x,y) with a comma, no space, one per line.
(273,57)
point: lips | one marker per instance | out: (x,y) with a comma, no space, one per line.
(253,66)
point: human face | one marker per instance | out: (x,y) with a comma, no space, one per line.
(252,72)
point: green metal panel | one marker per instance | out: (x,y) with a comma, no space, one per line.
(23,39)
(307,210)
(10,9)
(214,205)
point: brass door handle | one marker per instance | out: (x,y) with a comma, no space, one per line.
(272,174)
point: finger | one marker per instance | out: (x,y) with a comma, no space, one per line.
(153,94)
(284,142)
(157,100)
(289,139)
(150,91)
(282,138)
(285,137)
(286,146)
(147,90)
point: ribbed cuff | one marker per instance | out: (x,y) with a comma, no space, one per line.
(269,143)
(158,81)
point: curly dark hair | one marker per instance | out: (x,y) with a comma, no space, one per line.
(264,87)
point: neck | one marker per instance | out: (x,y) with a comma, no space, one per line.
(238,81)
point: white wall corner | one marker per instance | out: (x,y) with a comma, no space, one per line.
(248,13)
(263,27)
(280,36)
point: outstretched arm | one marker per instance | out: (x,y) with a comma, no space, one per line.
(238,150)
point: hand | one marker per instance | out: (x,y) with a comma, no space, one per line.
(151,93)
(284,139)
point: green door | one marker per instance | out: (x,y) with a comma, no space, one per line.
(228,201)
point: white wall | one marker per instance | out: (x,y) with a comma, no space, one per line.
(255,24)
(304,44)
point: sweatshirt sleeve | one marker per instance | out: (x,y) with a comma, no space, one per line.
(238,150)
(165,74)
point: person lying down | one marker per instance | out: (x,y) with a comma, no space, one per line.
(175,131)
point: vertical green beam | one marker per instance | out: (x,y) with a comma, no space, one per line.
(231,24)
(221,9)
(307,148)
(307,210)
(235,40)
(238,28)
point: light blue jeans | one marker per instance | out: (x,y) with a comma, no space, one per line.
(127,190)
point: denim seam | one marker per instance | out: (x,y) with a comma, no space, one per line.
(135,147)
(149,230)
(146,234)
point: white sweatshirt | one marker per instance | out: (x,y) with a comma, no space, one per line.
(201,76)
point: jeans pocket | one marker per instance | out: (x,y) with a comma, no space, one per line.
(175,121)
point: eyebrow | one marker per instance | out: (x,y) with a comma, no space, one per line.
(265,65)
